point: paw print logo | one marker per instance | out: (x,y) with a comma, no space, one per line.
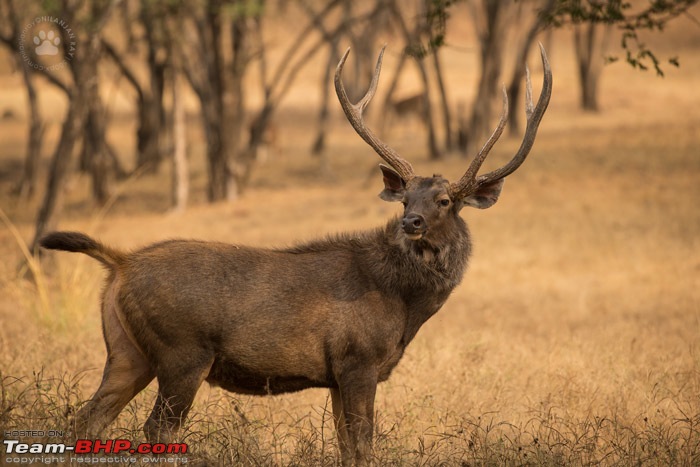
(47,43)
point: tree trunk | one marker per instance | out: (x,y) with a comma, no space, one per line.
(319,145)
(492,38)
(589,50)
(386,105)
(412,37)
(446,114)
(150,133)
(516,82)
(217,153)
(180,180)
(83,69)
(27,184)
(53,198)
(94,143)
(479,122)
(217,90)
(433,149)
(234,110)
(25,187)
(148,110)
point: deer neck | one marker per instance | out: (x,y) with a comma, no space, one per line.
(437,262)
(423,273)
(427,270)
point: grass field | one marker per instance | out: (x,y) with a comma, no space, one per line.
(573,340)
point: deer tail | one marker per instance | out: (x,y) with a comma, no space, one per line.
(81,243)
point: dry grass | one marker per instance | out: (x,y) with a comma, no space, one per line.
(574,339)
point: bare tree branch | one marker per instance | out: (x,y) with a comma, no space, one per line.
(125,70)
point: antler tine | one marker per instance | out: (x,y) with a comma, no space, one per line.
(468,181)
(534,116)
(353,112)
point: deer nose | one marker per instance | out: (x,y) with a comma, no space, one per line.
(413,224)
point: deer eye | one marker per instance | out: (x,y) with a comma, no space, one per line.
(444,202)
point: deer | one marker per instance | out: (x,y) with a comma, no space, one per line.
(405,108)
(336,312)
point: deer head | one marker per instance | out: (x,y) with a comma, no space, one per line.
(430,201)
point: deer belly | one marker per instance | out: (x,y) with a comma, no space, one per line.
(236,378)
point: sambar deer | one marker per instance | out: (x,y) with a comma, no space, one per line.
(403,110)
(335,313)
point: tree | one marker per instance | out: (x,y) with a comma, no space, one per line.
(412,37)
(153,16)
(180,171)
(80,96)
(629,18)
(26,186)
(360,27)
(589,43)
(491,21)
(524,45)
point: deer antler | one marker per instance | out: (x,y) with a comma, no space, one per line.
(469,182)
(353,112)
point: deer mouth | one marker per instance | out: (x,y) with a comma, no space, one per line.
(414,236)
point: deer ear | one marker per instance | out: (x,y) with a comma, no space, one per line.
(394,185)
(486,196)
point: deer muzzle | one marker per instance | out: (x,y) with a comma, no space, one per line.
(414,226)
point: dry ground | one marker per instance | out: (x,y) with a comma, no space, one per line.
(573,340)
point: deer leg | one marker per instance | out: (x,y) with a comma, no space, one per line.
(358,387)
(177,388)
(346,450)
(127,372)
(121,381)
